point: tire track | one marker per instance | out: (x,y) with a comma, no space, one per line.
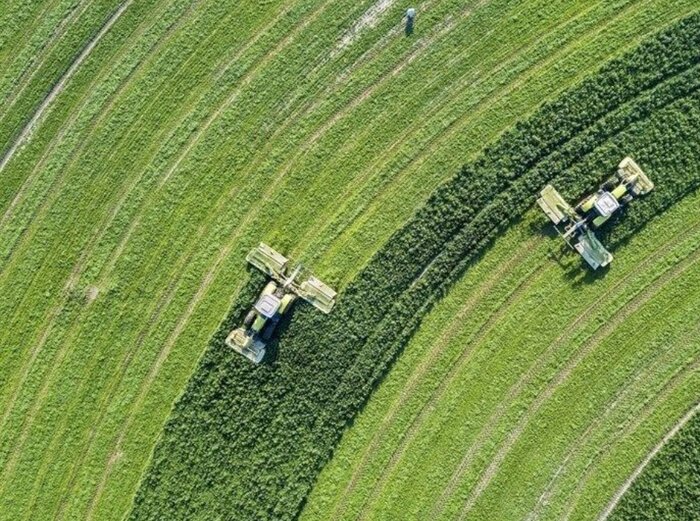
(414,380)
(640,468)
(26,132)
(76,271)
(458,124)
(38,63)
(470,79)
(171,292)
(27,26)
(521,287)
(424,154)
(627,310)
(632,425)
(209,277)
(599,421)
(53,315)
(542,361)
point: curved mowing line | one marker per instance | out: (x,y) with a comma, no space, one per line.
(7,57)
(634,421)
(37,64)
(207,281)
(210,276)
(547,356)
(628,309)
(78,268)
(54,142)
(58,88)
(384,476)
(632,425)
(433,353)
(195,138)
(60,180)
(54,313)
(528,280)
(419,159)
(640,468)
(481,107)
(423,153)
(80,265)
(185,258)
(168,295)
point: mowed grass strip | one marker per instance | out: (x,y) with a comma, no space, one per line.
(656,269)
(327,366)
(99,341)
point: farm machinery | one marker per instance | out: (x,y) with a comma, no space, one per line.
(577,224)
(275,301)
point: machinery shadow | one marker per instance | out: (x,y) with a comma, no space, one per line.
(574,268)
(272,348)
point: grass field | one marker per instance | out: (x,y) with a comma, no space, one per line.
(540,396)
(147,145)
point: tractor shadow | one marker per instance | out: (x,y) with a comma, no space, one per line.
(574,269)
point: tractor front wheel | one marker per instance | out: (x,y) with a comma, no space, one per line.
(249,318)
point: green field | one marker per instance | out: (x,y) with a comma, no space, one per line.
(146,146)
(541,396)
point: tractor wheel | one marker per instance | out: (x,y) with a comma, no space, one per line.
(249,318)
(626,199)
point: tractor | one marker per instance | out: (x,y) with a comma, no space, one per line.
(275,301)
(577,224)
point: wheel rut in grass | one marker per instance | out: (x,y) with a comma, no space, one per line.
(362,354)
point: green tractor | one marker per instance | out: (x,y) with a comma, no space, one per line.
(579,222)
(275,301)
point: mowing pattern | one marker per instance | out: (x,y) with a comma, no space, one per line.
(669,488)
(251,440)
(147,145)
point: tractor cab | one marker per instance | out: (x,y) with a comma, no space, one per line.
(275,301)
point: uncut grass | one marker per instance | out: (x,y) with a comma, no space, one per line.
(328,496)
(595,131)
(147,222)
(467,384)
(486,459)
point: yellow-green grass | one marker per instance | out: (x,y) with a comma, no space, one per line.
(191,131)
(532,390)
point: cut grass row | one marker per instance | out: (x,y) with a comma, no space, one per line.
(668,487)
(139,229)
(326,366)
(405,443)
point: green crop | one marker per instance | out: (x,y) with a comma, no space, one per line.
(191,131)
(251,440)
(669,487)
